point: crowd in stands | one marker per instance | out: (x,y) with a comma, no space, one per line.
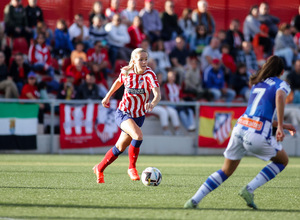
(194,60)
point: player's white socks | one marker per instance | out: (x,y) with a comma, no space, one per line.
(265,175)
(212,182)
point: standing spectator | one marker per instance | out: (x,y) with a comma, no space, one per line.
(284,45)
(7,84)
(202,16)
(78,52)
(19,70)
(293,78)
(170,27)
(97,30)
(88,89)
(5,43)
(79,32)
(186,24)
(129,13)
(151,21)
(210,52)
(34,13)
(240,81)
(62,43)
(295,23)
(262,44)
(97,10)
(248,57)
(266,18)
(251,24)
(113,9)
(234,37)
(78,70)
(136,33)
(199,40)
(117,38)
(215,82)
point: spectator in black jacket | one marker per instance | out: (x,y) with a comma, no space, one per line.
(34,13)
(89,89)
(234,37)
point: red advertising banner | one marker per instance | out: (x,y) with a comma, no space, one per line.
(215,125)
(89,125)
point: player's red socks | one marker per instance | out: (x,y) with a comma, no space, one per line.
(133,152)
(109,157)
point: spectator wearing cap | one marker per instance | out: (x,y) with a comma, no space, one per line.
(214,81)
(151,21)
(210,52)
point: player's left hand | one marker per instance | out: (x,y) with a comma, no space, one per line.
(149,107)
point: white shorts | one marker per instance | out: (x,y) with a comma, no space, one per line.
(244,141)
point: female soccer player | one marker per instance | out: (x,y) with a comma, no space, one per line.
(252,134)
(138,80)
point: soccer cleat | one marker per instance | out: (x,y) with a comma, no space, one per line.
(190,204)
(100,175)
(249,197)
(133,174)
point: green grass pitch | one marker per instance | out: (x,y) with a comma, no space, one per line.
(64,187)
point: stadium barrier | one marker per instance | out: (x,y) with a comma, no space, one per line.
(154,142)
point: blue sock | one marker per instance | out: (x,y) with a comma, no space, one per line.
(116,151)
(136,143)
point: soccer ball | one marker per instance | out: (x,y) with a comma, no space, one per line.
(151,176)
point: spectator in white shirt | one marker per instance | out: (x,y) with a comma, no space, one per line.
(78,32)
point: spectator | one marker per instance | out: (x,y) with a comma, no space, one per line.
(251,24)
(266,18)
(7,84)
(284,45)
(42,28)
(78,52)
(202,16)
(262,44)
(78,70)
(66,89)
(295,23)
(178,58)
(199,40)
(34,13)
(151,21)
(186,24)
(62,44)
(117,38)
(210,52)
(100,80)
(234,37)
(293,78)
(240,81)
(88,89)
(16,24)
(222,36)
(170,27)
(5,44)
(228,63)
(292,114)
(113,9)
(173,94)
(97,31)
(215,82)
(79,32)
(136,33)
(129,13)
(248,57)
(97,10)
(19,70)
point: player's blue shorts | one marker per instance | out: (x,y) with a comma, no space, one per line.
(123,116)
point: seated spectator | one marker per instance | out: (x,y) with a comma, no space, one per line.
(262,44)
(67,89)
(186,24)
(78,32)
(7,84)
(88,89)
(98,55)
(214,81)
(62,43)
(284,45)
(266,18)
(199,40)
(42,28)
(78,52)
(136,33)
(113,9)
(97,10)
(201,15)
(151,20)
(100,80)
(234,37)
(34,14)
(19,70)
(129,13)
(210,52)
(97,31)
(173,94)
(228,63)
(221,35)
(78,70)
(293,78)
(240,82)
(248,57)
(117,38)
(251,24)
(170,27)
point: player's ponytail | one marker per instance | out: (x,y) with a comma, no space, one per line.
(272,68)
(133,56)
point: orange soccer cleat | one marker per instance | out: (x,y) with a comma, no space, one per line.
(100,175)
(133,174)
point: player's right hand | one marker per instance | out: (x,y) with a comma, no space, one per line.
(280,134)
(105,102)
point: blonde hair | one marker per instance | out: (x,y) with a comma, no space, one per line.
(134,53)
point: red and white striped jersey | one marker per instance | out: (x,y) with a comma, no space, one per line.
(137,90)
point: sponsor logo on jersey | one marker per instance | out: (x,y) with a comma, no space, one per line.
(250,123)
(135,91)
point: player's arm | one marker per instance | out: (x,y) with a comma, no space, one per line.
(115,86)
(155,101)
(280,104)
